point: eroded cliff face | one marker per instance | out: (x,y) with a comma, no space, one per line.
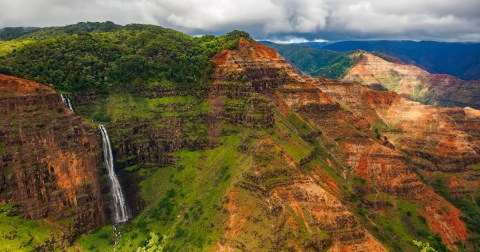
(414,83)
(50,158)
(433,138)
(377,137)
(411,136)
(276,202)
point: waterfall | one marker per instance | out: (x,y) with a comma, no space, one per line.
(119,205)
(67,102)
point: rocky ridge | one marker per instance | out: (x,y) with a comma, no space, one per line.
(414,83)
(371,133)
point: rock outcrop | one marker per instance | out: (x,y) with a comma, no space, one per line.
(284,202)
(50,158)
(419,136)
(379,136)
(415,83)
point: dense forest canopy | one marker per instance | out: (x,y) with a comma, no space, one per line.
(106,57)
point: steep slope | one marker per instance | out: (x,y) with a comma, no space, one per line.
(347,114)
(296,201)
(244,187)
(287,162)
(432,142)
(414,83)
(50,160)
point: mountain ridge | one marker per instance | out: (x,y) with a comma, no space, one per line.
(455,58)
(414,82)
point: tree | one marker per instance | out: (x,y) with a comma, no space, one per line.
(424,246)
(154,244)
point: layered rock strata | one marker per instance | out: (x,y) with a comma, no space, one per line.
(50,158)
(415,83)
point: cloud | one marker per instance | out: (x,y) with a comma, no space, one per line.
(282,19)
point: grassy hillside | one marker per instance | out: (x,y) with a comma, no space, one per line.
(17,233)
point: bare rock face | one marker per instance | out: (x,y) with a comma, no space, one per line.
(50,158)
(415,83)
(379,136)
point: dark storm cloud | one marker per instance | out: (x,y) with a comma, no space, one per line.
(281,19)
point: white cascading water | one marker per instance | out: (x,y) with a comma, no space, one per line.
(119,205)
(67,102)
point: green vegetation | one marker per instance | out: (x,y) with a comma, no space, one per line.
(468,204)
(184,203)
(19,234)
(423,246)
(81,59)
(317,62)
(101,240)
(305,130)
(154,244)
(9,33)
(7,47)
(72,29)
(156,79)
(392,81)
(400,224)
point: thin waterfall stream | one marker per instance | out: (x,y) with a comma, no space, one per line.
(120,210)
(67,102)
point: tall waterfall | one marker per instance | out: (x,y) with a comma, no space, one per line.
(67,102)
(119,204)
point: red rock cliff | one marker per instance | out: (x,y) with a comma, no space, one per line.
(349,116)
(50,158)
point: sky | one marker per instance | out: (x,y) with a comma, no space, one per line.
(277,20)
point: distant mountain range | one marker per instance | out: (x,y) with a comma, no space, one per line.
(381,71)
(315,61)
(9,33)
(413,82)
(458,59)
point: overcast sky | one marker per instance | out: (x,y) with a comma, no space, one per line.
(296,20)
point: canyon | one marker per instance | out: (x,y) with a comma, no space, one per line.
(346,114)
(261,158)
